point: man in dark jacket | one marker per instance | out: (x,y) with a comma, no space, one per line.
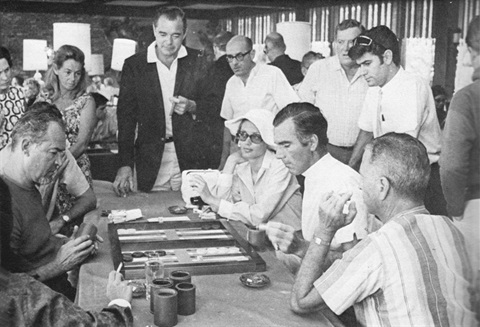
(160,127)
(275,50)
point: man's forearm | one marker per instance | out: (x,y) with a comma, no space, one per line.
(83,204)
(363,139)
(305,297)
(46,272)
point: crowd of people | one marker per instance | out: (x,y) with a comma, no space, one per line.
(341,160)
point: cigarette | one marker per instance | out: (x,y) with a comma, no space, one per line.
(120,266)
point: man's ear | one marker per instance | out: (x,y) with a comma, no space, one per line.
(26,146)
(383,187)
(252,54)
(388,57)
(313,142)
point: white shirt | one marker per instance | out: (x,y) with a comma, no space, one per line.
(326,86)
(266,88)
(273,196)
(326,175)
(404,105)
(167,78)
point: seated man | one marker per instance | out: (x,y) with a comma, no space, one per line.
(301,138)
(412,272)
(27,302)
(38,145)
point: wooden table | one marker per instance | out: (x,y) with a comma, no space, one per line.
(221,299)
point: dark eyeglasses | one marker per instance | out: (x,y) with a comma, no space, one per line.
(254,137)
(238,56)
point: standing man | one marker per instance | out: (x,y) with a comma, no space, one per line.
(213,90)
(397,101)
(460,158)
(157,95)
(412,272)
(275,50)
(336,86)
(301,138)
(252,86)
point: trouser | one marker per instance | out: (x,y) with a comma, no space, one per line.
(434,198)
(169,177)
(341,153)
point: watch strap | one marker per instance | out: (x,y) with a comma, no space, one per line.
(319,241)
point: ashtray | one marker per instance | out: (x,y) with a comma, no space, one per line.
(177,210)
(254,280)
(138,288)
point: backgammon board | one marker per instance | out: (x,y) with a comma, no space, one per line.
(199,247)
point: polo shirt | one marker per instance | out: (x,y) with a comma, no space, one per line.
(266,88)
(327,175)
(413,271)
(404,105)
(326,86)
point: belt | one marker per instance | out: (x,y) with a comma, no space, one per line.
(168,139)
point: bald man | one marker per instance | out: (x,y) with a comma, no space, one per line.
(275,50)
(251,86)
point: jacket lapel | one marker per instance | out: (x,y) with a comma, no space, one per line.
(153,82)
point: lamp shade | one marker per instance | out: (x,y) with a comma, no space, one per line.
(35,55)
(97,67)
(76,34)
(122,49)
(297,37)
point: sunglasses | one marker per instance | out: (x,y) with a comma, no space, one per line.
(363,40)
(238,56)
(254,137)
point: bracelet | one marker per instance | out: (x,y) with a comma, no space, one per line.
(319,241)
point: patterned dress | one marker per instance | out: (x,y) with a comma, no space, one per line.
(12,107)
(71,118)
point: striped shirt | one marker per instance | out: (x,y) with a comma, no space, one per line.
(412,272)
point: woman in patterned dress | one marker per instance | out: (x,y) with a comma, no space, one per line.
(66,80)
(12,101)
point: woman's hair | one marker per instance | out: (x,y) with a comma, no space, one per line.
(64,53)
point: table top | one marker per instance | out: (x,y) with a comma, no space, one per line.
(221,299)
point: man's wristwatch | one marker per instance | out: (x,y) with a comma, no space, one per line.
(319,241)
(66,218)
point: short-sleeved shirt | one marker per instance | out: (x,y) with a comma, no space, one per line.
(75,183)
(404,105)
(412,272)
(266,88)
(31,237)
(326,86)
(326,175)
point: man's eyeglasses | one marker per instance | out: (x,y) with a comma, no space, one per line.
(363,40)
(238,56)
(254,137)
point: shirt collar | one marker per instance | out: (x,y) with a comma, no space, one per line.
(320,165)
(396,79)
(152,56)
(266,163)
(413,211)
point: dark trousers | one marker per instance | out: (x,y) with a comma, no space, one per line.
(434,198)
